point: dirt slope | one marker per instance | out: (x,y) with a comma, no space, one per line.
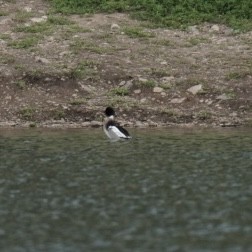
(64,70)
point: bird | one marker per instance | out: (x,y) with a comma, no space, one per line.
(111,128)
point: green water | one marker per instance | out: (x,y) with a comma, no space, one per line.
(166,190)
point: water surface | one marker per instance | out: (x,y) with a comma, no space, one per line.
(164,190)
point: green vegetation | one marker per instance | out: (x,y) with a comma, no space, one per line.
(27,113)
(84,68)
(147,84)
(120,91)
(78,101)
(238,75)
(35,28)
(172,13)
(21,84)
(24,43)
(136,32)
(22,16)
(80,45)
(194,41)
(204,115)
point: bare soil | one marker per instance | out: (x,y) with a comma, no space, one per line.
(64,70)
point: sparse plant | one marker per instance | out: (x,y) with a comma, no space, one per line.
(137,32)
(147,84)
(194,41)
(159,73)
(238,75)
(79,101)
(21,84)
(27,113)
(204,115)
(24,43)
(84,68)
(58,114)
(22,16)
(120,91)
(59,20)
(6,59)
(34,28)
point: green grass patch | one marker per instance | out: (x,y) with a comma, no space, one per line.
(172,13)
(34,28)
(120,91)
(147,84)
(79,101)
(204,115)
(81,45)
(21,84)
(24,43)
(238,75)
(2,13)
(27,113)
(194,41)
(6,59)
(59,20)
(137,32)
(83,69)
(22,16)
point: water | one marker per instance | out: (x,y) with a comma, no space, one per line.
(166,190)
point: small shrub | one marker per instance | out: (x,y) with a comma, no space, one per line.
(27,113)
(78,101)
(136,32)
(24,43)
(21,84)
(120,91)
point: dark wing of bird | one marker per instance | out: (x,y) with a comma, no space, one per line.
(124,131)
(113,123)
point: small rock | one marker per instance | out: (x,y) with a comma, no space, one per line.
(195,89)
(157,90)
(128,84)
(143,100)
(28,9)
(234,114)
(178,100)
(115,27)
(163,63)
(139,124)
(62,54)
(167,79)
(42,60)
(193,29)
(39,20)
(86,88)
(142,79)
(137,91)
(96,124)
(122,83)
(163,94)
(222,97)
(215,28)
(86,124)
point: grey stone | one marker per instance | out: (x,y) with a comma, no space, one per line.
(223,97)
(42,60)
(195,89)
(158,90)
(39,19)
(137,91)
(178,100)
